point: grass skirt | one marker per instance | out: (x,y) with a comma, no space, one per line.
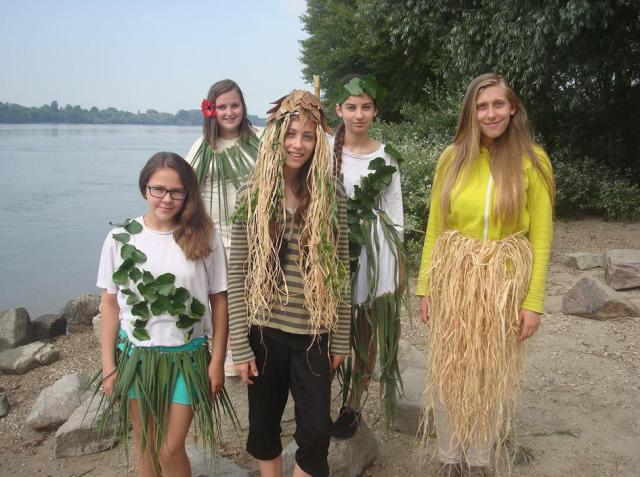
(474,361)
(375,332)
(152,374)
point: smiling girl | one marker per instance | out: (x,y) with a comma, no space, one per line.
(371,179)
(223,158)
(288,286)
(164,281)
(483,272)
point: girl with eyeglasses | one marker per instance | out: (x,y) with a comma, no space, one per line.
(164,281)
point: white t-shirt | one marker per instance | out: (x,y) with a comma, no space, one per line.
(354,168)
(202,278)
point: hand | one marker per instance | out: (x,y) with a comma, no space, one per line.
(529,322)
(246,370)
(216,378)
(109,384)
(425,308)
(336,361)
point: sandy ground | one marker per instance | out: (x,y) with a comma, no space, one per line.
(578,412)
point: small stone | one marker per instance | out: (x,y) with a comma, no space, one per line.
(80,311)
(585,261)
(591,298)
(4,404)
(622,268)
(27,357)
(56,403)
(46,327)
(15,328)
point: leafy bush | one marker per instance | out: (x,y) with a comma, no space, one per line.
(620,199)
(587,187)
(420,155)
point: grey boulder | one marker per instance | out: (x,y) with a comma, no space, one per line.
(207,467)
(46,327)
(347,458)
(591,298)
(80,311)
(15,328)
(27,357)
(622,268)
(79,435)
(56,403)
(585,260)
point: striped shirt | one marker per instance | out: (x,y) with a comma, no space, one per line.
(292,317)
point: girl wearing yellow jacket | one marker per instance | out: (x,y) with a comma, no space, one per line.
(483,273)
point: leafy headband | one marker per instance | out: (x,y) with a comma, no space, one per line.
(361,86)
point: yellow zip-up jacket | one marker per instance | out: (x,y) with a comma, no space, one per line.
(472,214)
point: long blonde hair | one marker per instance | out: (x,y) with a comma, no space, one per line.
(507,152)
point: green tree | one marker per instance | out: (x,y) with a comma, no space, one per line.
(344,39)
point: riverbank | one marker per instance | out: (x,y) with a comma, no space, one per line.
(577,412)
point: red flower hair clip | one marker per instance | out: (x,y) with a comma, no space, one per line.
(208,109)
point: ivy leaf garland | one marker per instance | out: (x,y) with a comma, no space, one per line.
(360,208)
(156,295)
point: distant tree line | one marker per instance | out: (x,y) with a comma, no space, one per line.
(52,113)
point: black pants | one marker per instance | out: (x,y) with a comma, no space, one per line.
(296,363)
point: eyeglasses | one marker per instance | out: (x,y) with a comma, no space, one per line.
(159,192)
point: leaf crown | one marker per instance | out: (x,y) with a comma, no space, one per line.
(301,103)
(359,87)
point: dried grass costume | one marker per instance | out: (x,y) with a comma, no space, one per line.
(289,289)
(479,272)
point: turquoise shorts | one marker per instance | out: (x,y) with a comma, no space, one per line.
(180,393)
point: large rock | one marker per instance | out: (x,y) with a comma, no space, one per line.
(80,311)
(15,328)
(591,298)
(585,260)
(46,327)
(220,467)
(622,268)
(27,357)
(79,435)
(96,321)
(56,403)
(347,458)
(4,404)
(409,405)
(408,356)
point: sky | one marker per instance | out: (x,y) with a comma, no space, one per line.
(143,54)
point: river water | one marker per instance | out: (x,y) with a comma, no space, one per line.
(60,186)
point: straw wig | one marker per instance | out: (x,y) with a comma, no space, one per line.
(324,276)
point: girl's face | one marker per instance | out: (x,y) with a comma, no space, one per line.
(299,143)
(229,113)
(166,197)
(358,113)
(493,112)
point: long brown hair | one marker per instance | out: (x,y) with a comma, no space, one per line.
(507,152)
(210,126)
(194,230)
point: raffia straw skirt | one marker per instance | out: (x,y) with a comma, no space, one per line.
(474,360)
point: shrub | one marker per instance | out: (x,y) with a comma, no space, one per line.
(620,199)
